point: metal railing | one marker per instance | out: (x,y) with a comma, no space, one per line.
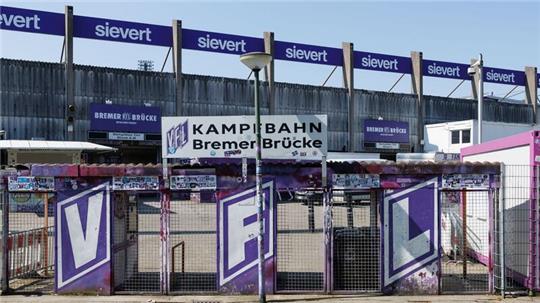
(173,254)
(30,251)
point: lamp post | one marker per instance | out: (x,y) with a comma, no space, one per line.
(256,61)
(477,70)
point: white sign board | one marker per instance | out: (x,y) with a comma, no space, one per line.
(126,136)
(459,181)
(136,183)
(355,181)
(194,182)
(302,137)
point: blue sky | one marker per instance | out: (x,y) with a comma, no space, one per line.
(506,32)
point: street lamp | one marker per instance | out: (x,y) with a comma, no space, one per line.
(256,61)
(477,68)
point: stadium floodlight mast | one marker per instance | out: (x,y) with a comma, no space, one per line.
(256,61)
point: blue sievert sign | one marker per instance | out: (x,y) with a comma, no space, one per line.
(220,43)
(504,76)
(443,69)
(121,31)
(34,21)
(307,53)
(381,62)
(27,20)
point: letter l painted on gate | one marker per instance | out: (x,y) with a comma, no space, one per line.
(406,249)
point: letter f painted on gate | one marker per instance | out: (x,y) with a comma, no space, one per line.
(84,245)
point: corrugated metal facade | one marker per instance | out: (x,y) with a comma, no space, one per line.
(32,100)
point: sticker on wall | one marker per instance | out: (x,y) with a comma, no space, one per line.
(136,183)
(411,231)
(471,181)
(355,181)
(238,230)
(31,184)
(83,241)
(194,182)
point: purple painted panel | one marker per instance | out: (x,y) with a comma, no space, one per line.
(386,131)
(123,118)
(237,238)
(83,241)
(411,236)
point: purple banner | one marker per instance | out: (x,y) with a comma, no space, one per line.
(31,21)
(386,131)
(121,31)
(220,43)
(411,238)
(123,118)
(307,53)
(504,76)
(83,241)
(443,69)
(383,63)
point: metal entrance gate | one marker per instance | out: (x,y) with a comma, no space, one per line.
(193,239)
(356,241)
(300,241)
(136,241)
(465,233)
(30,242)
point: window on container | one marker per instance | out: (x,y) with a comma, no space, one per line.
(455,137)
(466,136)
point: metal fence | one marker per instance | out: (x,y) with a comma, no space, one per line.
(136,241)
(465,234)
(356,241)
(192,237)
(516,222)
(300,241)
(30,243)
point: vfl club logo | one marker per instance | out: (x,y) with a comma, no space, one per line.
(83,233)
(177,137)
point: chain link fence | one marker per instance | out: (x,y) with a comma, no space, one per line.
(465,234)
(516,219)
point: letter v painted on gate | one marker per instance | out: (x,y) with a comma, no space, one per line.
(84,245)
(406,249)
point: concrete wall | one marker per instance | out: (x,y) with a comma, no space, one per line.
(33,100)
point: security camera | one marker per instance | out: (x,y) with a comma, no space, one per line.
(471,71)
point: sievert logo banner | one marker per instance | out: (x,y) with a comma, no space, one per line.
(443,69)
(283,137)
(32,21)
(504,76)
(220,43)
(82,239)
(307,53)
(381,62)
(121,31)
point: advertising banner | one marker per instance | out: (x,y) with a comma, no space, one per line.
(123,118)
(442,69)
(283,137)
(121,31)
(308,53)
(504,76)
(386,131)
(383,63)
(31,21)
(220,43)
